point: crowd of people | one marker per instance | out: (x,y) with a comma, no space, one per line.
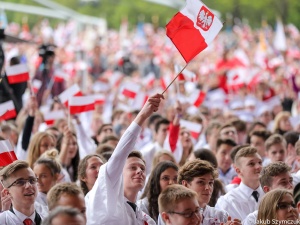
(219,146)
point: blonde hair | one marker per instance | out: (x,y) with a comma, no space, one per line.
(173,195)
(34,146)
(50,159)
(244,152)
(158,154)
(278,118)
(268,206)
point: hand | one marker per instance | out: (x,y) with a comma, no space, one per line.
(232,222)
(67,136)
(32,105)
(151,106)
(5,200)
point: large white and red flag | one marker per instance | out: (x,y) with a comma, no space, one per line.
(194,128)
(197,97)
(7,154)
(185,75)
(193,29)
(7,110)
(99,99)
(130,89)
(79,104)
(52,116)
(17,73)
(69,93)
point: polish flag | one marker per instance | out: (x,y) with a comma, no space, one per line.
(99,99)
(185,75)
(236,78)
(197,98)
(17,73)
(130,90)
(7,110)
(79,104)
(7,153)
(59,76)
(69,93)
(52,116)
(193,28)
(36,85)
(115,79)
(149,80)
(194,128)
(140,100)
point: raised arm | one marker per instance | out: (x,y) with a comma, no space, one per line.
(126,144)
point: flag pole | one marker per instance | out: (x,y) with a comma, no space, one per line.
(174,79)
(69,116)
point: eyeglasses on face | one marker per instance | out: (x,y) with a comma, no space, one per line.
(198,212)
(23,182)
(285,205)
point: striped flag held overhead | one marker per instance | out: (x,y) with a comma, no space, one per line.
(7,110)
(69,93)
(7,153)
(17,73)
(79,104)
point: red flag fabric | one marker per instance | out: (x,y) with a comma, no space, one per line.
(69,93)
(99,99)
(50,117)
(36,85)
(79,104)
(59,76)
(7,154)
(193,29)
(185,75)
(17,73)
(130,90)
(197,98)
(7,110)
(194,128)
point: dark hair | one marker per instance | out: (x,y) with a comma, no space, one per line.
(160,122)
(104,148)
(264,134)
(291,137)
(107,155)
(152,189)
(102,127)
(239,125)
(207,155)
(226,141)
(75,160)
(153,118)
(109,138)
(61,210)
(218,190)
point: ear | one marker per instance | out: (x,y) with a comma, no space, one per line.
(5,192)
(237,170)
(184,183)
(166,218)
(266,189)
(298,207)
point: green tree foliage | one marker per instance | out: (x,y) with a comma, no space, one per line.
(253,11)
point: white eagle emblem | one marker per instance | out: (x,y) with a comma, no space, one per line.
(205,18)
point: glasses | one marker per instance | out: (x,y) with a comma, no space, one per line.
(23,182)
(285,205)
(197,212)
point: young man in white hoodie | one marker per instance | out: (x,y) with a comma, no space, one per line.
(113,196)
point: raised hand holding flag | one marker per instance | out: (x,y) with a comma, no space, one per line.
(192,29)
